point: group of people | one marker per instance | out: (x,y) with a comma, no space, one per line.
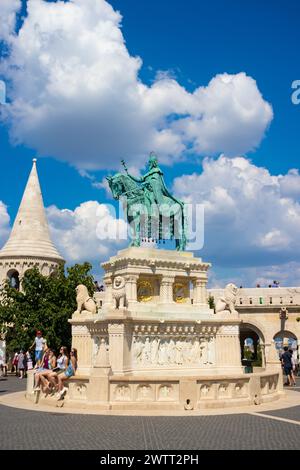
(289,366)
(22,361)
(50,372)
(53,371)
(98,288)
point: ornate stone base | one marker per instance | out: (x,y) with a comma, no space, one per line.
(166,393)
(161,351)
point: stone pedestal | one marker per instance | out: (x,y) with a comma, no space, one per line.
(82,340)
(228,346)
(98,391)
(162,351)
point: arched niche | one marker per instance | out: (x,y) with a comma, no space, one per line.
(13,277)
(252,343)
(286,338)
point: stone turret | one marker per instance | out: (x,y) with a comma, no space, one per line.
(29,243)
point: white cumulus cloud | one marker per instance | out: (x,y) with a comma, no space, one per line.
(4,224)
(8,10)
(75,94)
(290,184)
(249,220)
(90,232)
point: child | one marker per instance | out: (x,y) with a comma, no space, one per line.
(29,361)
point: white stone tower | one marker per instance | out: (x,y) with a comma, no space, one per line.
(29,243)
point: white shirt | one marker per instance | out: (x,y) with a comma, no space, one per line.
(39,343)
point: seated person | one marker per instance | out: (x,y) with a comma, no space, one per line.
(41,377)
(38,369)
(62,364)
(69,372)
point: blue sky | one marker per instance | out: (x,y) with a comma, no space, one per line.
(192,42)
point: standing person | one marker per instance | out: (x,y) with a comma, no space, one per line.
(22,364)
(2,357)
(14,364)
(39,343)
(286,361)
(293,371)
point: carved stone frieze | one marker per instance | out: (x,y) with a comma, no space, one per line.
(116,328)
(122,393)
(174,329)
(161,351)
(79,330)
(229,330)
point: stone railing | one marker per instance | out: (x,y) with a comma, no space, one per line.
(280,296)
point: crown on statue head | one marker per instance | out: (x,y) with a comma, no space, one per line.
(152,157)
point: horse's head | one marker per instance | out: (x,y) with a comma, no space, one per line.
(122,185)
(116,185)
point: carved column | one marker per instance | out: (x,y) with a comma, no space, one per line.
(272,356)
(166,289)
(119,347)
(131,288)
(98,390)
(228,348)
(200,296)
(108,300)
(263,355)
(83,342)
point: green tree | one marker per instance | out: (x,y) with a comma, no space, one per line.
(211,302)
(45,303)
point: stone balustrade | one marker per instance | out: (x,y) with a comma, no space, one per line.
(277,297)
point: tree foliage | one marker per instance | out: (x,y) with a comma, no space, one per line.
(211,302)
(45,303)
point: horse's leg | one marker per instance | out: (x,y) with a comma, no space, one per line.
(138,230)
(160,227)
(172,235)
(133,231)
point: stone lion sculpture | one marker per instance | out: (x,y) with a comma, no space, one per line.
(118,292)
(226,304)
(85,303)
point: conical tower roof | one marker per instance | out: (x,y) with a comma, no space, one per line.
(30,235)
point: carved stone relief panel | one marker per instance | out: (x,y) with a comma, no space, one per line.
(78,390)
(240,389)
(162,351)
(121,392)
(145,392)
(206,391)
(100,348)
(167,392)
(224,390)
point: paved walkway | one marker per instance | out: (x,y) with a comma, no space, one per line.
(259,429)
